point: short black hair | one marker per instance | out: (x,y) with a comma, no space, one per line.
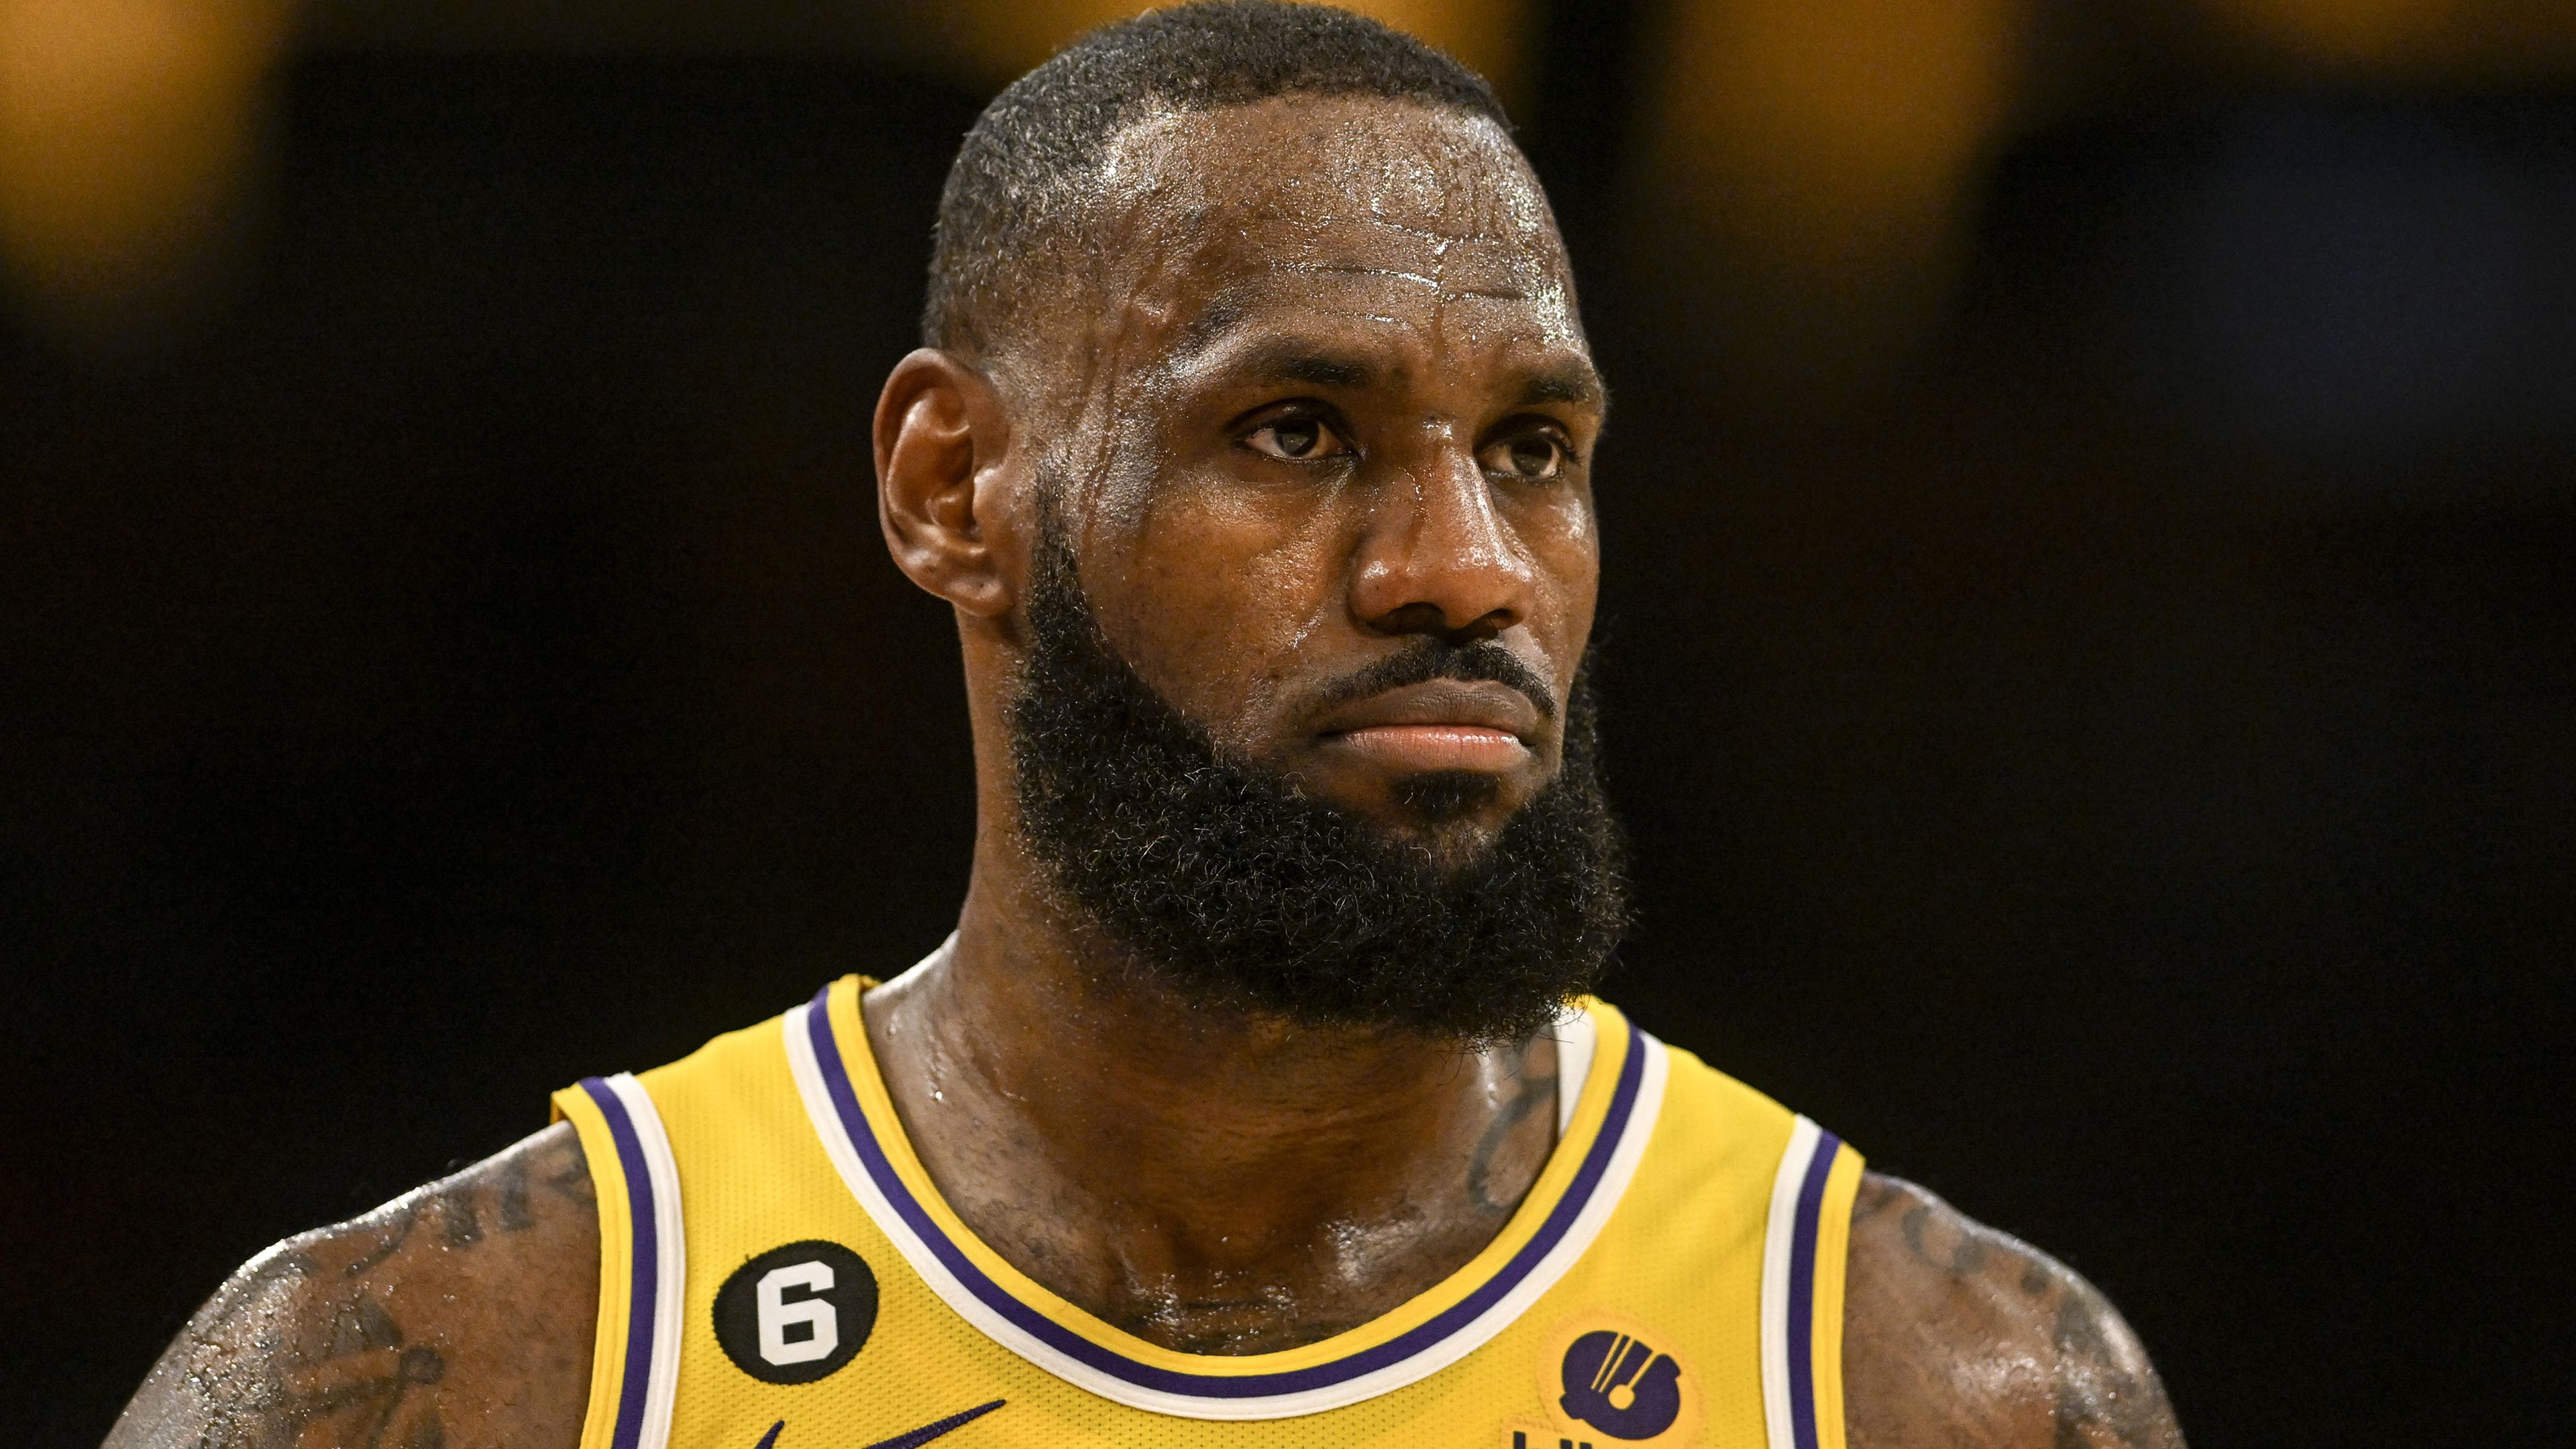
(1020,173)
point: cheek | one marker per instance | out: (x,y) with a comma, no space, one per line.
(1564,548)
(1220,591)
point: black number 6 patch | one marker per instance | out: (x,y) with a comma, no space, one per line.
(795,1314)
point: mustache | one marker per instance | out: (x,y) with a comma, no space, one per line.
(1426,659)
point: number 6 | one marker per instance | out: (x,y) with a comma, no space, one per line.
(777,1314)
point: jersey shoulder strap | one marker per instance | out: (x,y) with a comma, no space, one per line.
(731,1109)
(1756,1184)
(643,1256)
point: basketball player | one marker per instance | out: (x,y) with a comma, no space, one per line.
(1257,1099)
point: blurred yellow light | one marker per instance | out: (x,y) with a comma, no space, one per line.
(1835,110)
(2342,32)
(125,128)
(1807,172)
(2475,42)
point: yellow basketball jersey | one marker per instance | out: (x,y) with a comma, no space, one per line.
(778,1272)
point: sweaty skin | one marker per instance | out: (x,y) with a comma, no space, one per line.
(1325,392)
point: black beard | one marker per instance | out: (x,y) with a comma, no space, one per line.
(1223,883)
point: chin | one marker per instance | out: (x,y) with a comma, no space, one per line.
(1456,817)
(1438,798)
(1456,848)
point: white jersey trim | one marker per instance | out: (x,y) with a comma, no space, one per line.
(664,1317)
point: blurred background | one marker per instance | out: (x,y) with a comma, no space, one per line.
(2091,645)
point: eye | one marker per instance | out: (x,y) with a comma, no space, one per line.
(1531,457)
(1298,437)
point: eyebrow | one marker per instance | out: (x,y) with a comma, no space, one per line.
(1283,360)
(1292,363)
(1570,380)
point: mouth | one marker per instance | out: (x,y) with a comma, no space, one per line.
(1443,724)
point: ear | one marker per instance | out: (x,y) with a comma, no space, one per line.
(941,433)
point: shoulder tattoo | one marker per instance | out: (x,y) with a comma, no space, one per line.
(1958,1334)
(467,1302)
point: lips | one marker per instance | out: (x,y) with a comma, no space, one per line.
(1444,724)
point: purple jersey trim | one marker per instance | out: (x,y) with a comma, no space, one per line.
(644,1253)
(1802,1290)
(1560,1220)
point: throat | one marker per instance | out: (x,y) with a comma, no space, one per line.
(1359,1273)
(1209,1194)
(1152,1271)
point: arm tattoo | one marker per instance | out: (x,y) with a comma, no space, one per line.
(357,1379)
(266,1367)
(2106,1392)
(306,1346)
(568,1171)
(1963,1257)
(1958,1334)
(460,1222)
(397,1232)
(456,1215)
(515,1217)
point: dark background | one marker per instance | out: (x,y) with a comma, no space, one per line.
(2120,772)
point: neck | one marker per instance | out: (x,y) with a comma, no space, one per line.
(1210,1181)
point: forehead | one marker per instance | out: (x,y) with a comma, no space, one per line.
(1357,208)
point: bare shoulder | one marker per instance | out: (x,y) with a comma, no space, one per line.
(458,1316)
(1955,1334)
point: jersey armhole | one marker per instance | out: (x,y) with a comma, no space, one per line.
(642,1262)
(1805,1245)
(1833,1257)
(616,1253)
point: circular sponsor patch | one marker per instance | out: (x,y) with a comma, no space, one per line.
(1620,1385)
(795,1314)
(1615,1378)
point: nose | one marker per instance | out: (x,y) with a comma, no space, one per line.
(1439,559)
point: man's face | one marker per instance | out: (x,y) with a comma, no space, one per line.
(1328,412)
